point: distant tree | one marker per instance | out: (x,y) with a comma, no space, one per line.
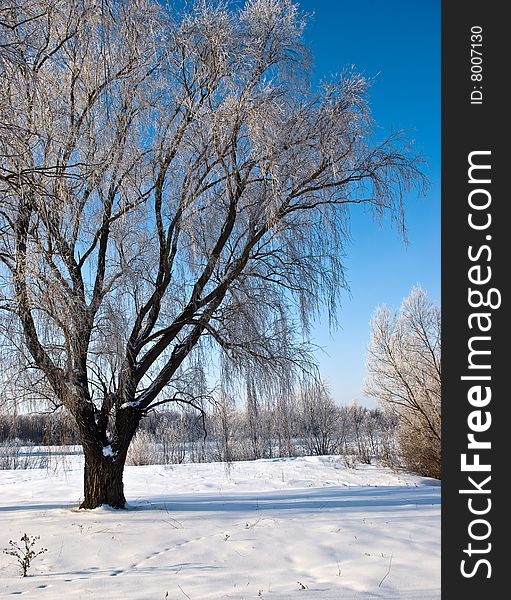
(358,417)
(170,185)
(322,421)
(283,426)
(225,427)
(404,376)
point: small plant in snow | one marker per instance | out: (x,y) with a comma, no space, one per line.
(24,554)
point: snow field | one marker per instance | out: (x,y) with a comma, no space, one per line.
(300,528)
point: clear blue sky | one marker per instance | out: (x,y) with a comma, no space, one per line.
(398,41)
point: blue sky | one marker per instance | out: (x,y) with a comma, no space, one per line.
(398,43)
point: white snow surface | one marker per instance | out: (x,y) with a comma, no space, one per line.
(286,529)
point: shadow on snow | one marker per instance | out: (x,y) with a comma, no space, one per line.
(331,498)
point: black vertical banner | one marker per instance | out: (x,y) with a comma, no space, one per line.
(476,257)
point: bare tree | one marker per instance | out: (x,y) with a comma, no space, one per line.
(404,375)
(284,425)
(225,427)
(172,193)
(322,421)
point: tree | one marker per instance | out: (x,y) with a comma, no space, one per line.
(225,427)
(404,375)
(173,196)
(324,423)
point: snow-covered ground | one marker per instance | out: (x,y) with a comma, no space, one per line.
(304,528)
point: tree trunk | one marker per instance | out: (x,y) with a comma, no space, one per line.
(103,482)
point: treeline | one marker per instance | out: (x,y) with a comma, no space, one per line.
(313,426)
(42,429)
